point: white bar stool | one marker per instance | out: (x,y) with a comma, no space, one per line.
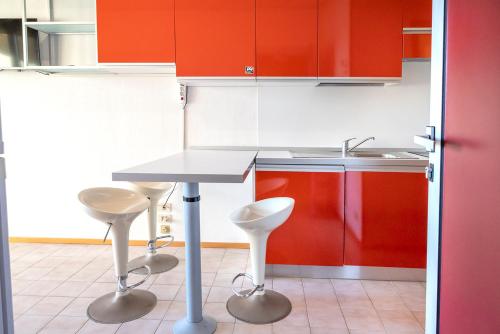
(118,208)
(158,263)
(258,220)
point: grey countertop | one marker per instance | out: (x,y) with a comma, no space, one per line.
(204,166)
(283,156)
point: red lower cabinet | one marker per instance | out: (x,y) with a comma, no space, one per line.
(314,233)
(386,219)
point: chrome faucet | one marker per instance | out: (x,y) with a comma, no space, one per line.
(345,145)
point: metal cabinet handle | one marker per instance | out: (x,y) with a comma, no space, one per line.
(249,70)
(428,141)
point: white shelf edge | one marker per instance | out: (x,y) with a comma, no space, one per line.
(63,27)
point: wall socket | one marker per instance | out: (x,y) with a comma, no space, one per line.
(165,218)
(165,229)
(166,208)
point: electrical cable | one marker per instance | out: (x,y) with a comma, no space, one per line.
(168,197)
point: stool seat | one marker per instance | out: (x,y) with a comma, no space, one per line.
(158,263)
(111,204)
(118,208)
(258,220)
(265,215)
(152,189)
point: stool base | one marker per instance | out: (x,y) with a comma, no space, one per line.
(159,263)
(115,308)
(270,307)
(207,326)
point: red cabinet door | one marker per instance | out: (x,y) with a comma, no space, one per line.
(417,13)
(214,37)
(287,38)
(314,233)
(386,219)
(359,38)
(131,31)
(417,45)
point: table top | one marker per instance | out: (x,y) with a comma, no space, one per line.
(195,166)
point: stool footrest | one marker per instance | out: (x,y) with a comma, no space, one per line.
(249,292)
(122,281)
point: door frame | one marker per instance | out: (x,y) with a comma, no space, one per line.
(437,94)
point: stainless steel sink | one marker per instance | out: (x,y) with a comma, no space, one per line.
(355,154)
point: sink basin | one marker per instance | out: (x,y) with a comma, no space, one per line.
(360,154)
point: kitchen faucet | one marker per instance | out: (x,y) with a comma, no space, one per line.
(345,145)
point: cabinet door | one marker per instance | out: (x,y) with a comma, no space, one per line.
(359,38)
(417,46)
(131,31)
(287,38)
(386,219)
(314,233)
(417,13)
(215,37)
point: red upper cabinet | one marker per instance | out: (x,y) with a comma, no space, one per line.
(417,13)
(215,37)
(359,38)
(386,219)
(130,31)
(287,38)
(314,233)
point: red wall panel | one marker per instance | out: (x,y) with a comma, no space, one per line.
(470,240)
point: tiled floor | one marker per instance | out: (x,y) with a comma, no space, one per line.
(53,284)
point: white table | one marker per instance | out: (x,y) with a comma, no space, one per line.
(192,168)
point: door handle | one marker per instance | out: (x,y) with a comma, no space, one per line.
(428,141)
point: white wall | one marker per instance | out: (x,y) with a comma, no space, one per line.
(66,133)
(311,116)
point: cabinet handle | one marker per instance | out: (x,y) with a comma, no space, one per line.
(249,69)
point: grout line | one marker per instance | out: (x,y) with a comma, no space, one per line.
(340,306)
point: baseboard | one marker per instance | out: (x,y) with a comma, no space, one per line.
(238,245)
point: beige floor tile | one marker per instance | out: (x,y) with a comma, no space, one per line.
(297,317)
(219,294)
(61,273)
(159,311)
(181,295)
(420,316)
(218,311)
(350,293)
(77,308)
(64,325)
(30,324)
(367,331)
(279,328)
(40,288)
(50,262)
(224,279)
(362,318)
(323,330)
(164,291)
(171,278)
(24,303)
(224,328)
(88,274)
(399,321)
(33,273)
(324,315)
(207,279)
(92,327)
(240,328)
(98,289)
(50,306)
(19,285)
(139,326)
(70,289)
(176,311)
(166,327)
